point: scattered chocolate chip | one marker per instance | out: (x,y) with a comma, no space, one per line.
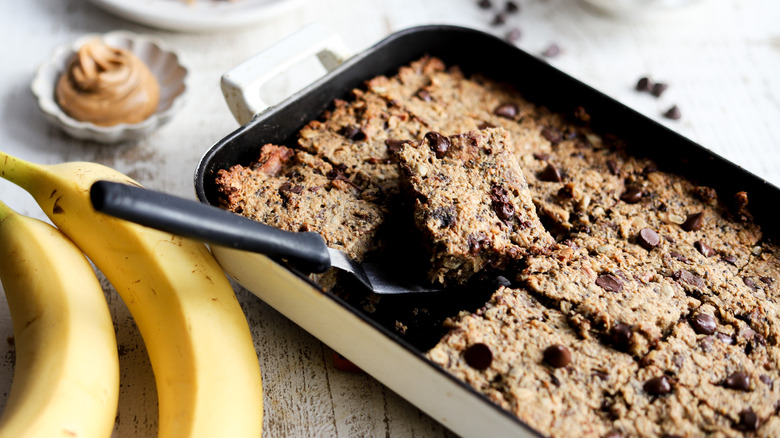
(551,51)
(730,259)
(609,283)
(739,381)
(767,280)
(512,7)
(726,339)
(394,145)
(552,135)
(424,95)
(704,249)
(478,356)
(658,386)
(648,238)
(673,113)
(513,35)
(643,84)
(620,336)
(631,196)
(613,167)
(439,144)
(703,324)
(508,110)
(750,283)
(765,379)
(550,174)
(485,4)
(658,89)
(557,356)
(748,420)
(353,132)
(693,222)
(499,19)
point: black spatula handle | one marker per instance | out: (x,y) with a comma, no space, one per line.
(306,250)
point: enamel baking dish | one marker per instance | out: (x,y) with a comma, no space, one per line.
(367,339)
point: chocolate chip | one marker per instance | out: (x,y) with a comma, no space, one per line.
(693,222)
(704,249)
(730,259)
(677,256)
(541,156)
(703,324)
(438,143)
(484,4)
(673,113)
(643,84)
(551,51)
(648,239)
(658,386)
(512,7)
(353,132)
(748,420)
(394,145)
(513,35)
(424,95)
(550,174)
(557,356)
(739,381)
(445,216)
(766,280)
(508,110)
(505,211)
(750,283)
(500,280)
(631,196)
(552,135)
(688,277)
(609,283)
(499,19)
(726,339)
(485,125)
(613,167)
(765,379)
(620,336)
(658,89)
(478,356)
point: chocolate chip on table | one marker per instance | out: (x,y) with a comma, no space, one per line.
(499,19)
(620,336)
(648,238)
(693,222)
(739,381)
(673,113)
(513,35)
(484,4)
(508,110)
(703,324)
(478,356)
(551,51)
(644,84)
(439,144)
(550,174)
(658,386)
(511,7)
(557,356)
(631,196)
(353,132)
(704,249)
(658,89)
(609,283)
(748,420)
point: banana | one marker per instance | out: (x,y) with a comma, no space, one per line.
(66,378)
(198,340)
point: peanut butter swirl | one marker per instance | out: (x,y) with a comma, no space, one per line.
(107,85)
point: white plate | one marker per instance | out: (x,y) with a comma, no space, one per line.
(196,15)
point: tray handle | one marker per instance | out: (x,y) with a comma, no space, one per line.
(241,86)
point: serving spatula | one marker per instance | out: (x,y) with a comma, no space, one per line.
(306,251)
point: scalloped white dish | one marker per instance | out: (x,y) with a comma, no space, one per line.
(162,62)
(196,15)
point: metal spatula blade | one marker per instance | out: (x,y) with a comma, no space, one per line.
(306,250)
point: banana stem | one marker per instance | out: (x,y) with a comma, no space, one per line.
(16,170)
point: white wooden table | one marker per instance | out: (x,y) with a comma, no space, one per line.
(721,59)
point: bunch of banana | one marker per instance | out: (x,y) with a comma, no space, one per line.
(66,379)
(197,337)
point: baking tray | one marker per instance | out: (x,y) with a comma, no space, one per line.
(367,339)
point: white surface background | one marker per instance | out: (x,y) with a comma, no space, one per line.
(721,59)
